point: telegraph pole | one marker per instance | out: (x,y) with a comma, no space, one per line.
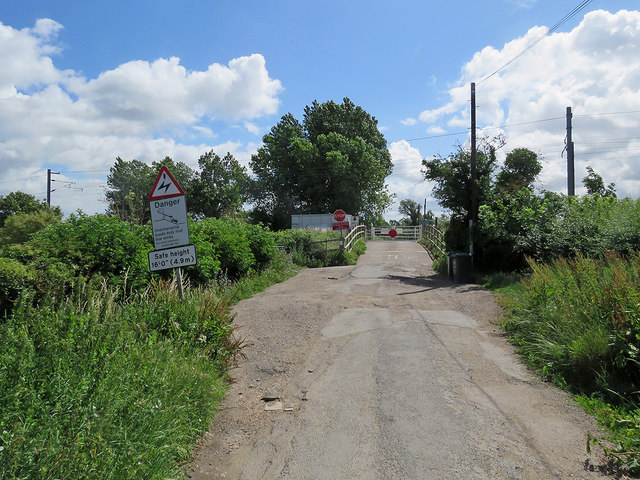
(571,183)
(473,217)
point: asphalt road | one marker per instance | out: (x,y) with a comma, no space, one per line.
(388,371)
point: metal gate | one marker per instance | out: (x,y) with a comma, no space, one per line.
(412,232)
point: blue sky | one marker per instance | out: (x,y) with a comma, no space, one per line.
(89,81)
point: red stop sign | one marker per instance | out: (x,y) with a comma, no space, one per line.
(339,215)
(393,233)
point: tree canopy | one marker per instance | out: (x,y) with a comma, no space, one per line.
(16,203)
(452,178)
(594,184)
(336,158)
(411,211)
(219,188)
(520,169)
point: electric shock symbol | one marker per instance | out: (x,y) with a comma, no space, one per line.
(164,185)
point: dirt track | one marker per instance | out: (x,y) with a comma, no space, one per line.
(385,370)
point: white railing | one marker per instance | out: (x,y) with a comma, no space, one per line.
(412,232)
(353,236)
(434,240)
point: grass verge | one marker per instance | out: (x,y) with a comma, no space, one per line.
(91,387)
(577,322)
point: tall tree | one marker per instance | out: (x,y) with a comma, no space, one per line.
(520,169)
(335,158)
(452,178)
(411,210)
(130,184)
(221,186)
(594,184)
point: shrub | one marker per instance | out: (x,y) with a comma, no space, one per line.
(19,228)
(225,241)
(551,226)
(262,244)
(14,279)
(97,244)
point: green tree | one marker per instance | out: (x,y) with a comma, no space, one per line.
(20,202)
(411,210)
(275,191)
(520,169)
(594,184)
(452,178)
(20,227)
(220,188)
(130,183)
(336,158)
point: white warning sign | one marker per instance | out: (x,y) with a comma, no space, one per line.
(169,222)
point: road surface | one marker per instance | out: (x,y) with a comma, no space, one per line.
(386,370)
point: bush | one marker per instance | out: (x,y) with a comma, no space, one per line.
(521,225)
(262,244)
(14,279)
(19,228)
(97,245)
(223,241)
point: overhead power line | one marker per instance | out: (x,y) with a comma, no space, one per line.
(438,136)
(557,25)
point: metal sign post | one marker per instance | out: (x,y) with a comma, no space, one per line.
(170,227)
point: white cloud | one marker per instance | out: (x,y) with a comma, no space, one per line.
(24,56)
(251,127)
(435,130)
(53,117)
(409,122)
(592,68)
(406,180)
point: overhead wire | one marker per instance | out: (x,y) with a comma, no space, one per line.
(549,31)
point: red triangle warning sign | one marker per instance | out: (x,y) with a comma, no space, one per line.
(165,186)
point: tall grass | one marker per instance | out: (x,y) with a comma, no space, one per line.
(580,319)
(97,386)
(91,388)
(578,322)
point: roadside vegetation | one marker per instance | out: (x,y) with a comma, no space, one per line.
(577,322)
(104,371)
(568,272)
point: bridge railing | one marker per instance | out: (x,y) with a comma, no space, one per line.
(353,236)
(345,243)
(411,232)
(434,240)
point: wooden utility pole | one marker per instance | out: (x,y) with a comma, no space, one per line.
(473,217)
(571,183)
